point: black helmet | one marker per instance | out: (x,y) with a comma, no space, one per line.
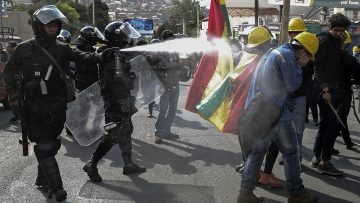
(91,35)
(153,41)
(67,36)
(118,33)
(45,15)
(166,34)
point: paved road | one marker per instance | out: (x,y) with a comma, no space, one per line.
(198,167)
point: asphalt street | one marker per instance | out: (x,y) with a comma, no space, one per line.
(198,167)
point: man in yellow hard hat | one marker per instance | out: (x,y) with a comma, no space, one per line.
(277,75)
(327,69)
(356,54)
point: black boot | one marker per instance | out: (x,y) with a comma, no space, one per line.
(41,180)
(131,168)
(50,169)
(151,106)
(92,171)
(91,166)
(60,194)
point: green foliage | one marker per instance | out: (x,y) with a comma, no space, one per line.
(184,9)
(71,14)
(20,7)
(101,14)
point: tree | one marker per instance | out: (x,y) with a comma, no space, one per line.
(101,14)
(71,14)
(185,11)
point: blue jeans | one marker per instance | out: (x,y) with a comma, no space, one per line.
(284,135)
(167,110)
(299,119)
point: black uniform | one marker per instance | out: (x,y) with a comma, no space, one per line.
(46,113)
(86,74)
(119,106)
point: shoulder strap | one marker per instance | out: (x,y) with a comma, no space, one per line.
(53,60)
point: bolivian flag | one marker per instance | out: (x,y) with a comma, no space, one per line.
(223,106)
(213,66)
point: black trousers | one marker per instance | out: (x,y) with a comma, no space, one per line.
(343,99)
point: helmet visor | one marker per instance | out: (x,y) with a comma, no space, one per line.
(98,34)
(49,13)
(128,30)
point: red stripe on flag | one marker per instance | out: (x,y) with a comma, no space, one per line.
(216,23)
(201,79)
(241,88)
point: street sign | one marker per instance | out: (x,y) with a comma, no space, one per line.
(3,8)
(337,3)
(293,2)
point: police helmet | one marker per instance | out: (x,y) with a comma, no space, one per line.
(166,34)
(119,34)
(44,15)
(91,35)
(67,35)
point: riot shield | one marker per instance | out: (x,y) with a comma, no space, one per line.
(147,86)
(85,116)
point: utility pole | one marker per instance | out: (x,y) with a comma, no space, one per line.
(256,12)
(93,13)
(285,22)
(197,20)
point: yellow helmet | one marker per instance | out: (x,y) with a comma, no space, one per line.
(355,49)
(296,25)
(257,36)
(309,41)
(348,38)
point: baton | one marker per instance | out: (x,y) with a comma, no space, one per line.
(337,116)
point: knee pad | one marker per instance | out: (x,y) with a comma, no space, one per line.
(47,148)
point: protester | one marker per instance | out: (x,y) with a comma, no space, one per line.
(356,53)
(343,92)
(328,67)
(166,65)
(45,91)
(236,49)
(3,55)
(297,101)
(279,75)
(116,82)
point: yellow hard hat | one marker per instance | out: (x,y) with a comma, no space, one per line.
(257,36)
(355,49)
(348,38)
(296,25)
(309,41)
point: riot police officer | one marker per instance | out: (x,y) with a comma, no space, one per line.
(64,36)
(44,91)
(86,74)
(116,81)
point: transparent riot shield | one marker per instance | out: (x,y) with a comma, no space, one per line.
(147,86)
(85,117)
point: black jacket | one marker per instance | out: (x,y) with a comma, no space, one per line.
(328,63)
(29,60)
(306,83)
(350,70)
(86,74)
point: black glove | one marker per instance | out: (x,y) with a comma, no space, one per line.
(107,55)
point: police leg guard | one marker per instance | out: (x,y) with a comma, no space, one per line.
(91,166)
(126,149)
(41,179)
(45,153)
